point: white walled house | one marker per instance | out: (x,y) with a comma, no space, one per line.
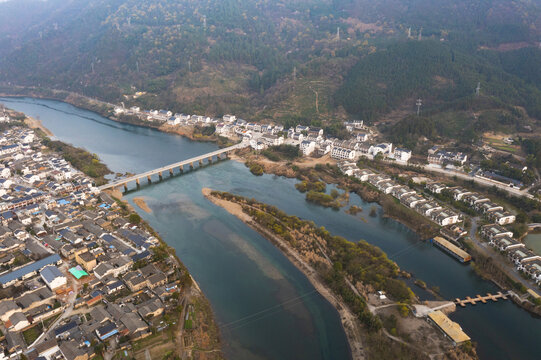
(53,277)
(501,217)
(340,153)
(401,154)
(445,217)
(307,147)
(385,149)
(5,173)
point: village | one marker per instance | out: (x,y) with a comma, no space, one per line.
(79,276)
(494,233)
(362,143)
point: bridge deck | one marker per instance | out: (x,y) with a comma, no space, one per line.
(125,181)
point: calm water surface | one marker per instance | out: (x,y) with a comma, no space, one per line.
(533,241)
(266,308)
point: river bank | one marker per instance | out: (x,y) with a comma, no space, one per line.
(106,110)
(206,342)
(312,263)
(347,318)
(325,169)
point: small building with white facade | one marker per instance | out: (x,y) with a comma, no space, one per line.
(53,277)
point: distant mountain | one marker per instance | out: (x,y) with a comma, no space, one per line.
(270,59)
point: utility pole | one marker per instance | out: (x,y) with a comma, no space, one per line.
(419,103)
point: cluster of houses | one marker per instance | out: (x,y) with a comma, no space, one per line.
(309,139)
(312,142)
(167,117)
(408,197)
(441,157)
(497,236)
(4,116)
(66,246)
(477,202)
(524,259)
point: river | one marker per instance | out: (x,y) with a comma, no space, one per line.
(267,309)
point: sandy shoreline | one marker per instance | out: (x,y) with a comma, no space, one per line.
(37,124)
(140,202)
(347,318)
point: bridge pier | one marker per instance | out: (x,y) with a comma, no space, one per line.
(125,187)
(219,154)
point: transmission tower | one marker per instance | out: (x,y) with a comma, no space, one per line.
(478,89)
(419,103)
(420,34)
(409,32)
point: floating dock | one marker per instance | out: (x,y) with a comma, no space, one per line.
(451,249)
(482,299)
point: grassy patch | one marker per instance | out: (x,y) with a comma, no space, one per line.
(32,334)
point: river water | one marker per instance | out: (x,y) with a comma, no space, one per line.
(265,307)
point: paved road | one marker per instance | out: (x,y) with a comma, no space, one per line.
(66,314)
(463,176)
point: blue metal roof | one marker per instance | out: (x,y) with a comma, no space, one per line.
(35,266)
(50,272)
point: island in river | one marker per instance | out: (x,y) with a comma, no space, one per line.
(171,218)
(348,274)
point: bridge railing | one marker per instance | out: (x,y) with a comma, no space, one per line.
(132,178)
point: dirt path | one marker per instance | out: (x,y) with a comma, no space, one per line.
(347,317)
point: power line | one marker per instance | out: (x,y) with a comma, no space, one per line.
(262,314)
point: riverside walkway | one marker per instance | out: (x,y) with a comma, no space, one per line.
(170,168)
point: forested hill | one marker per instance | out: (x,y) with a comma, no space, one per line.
(271,59)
